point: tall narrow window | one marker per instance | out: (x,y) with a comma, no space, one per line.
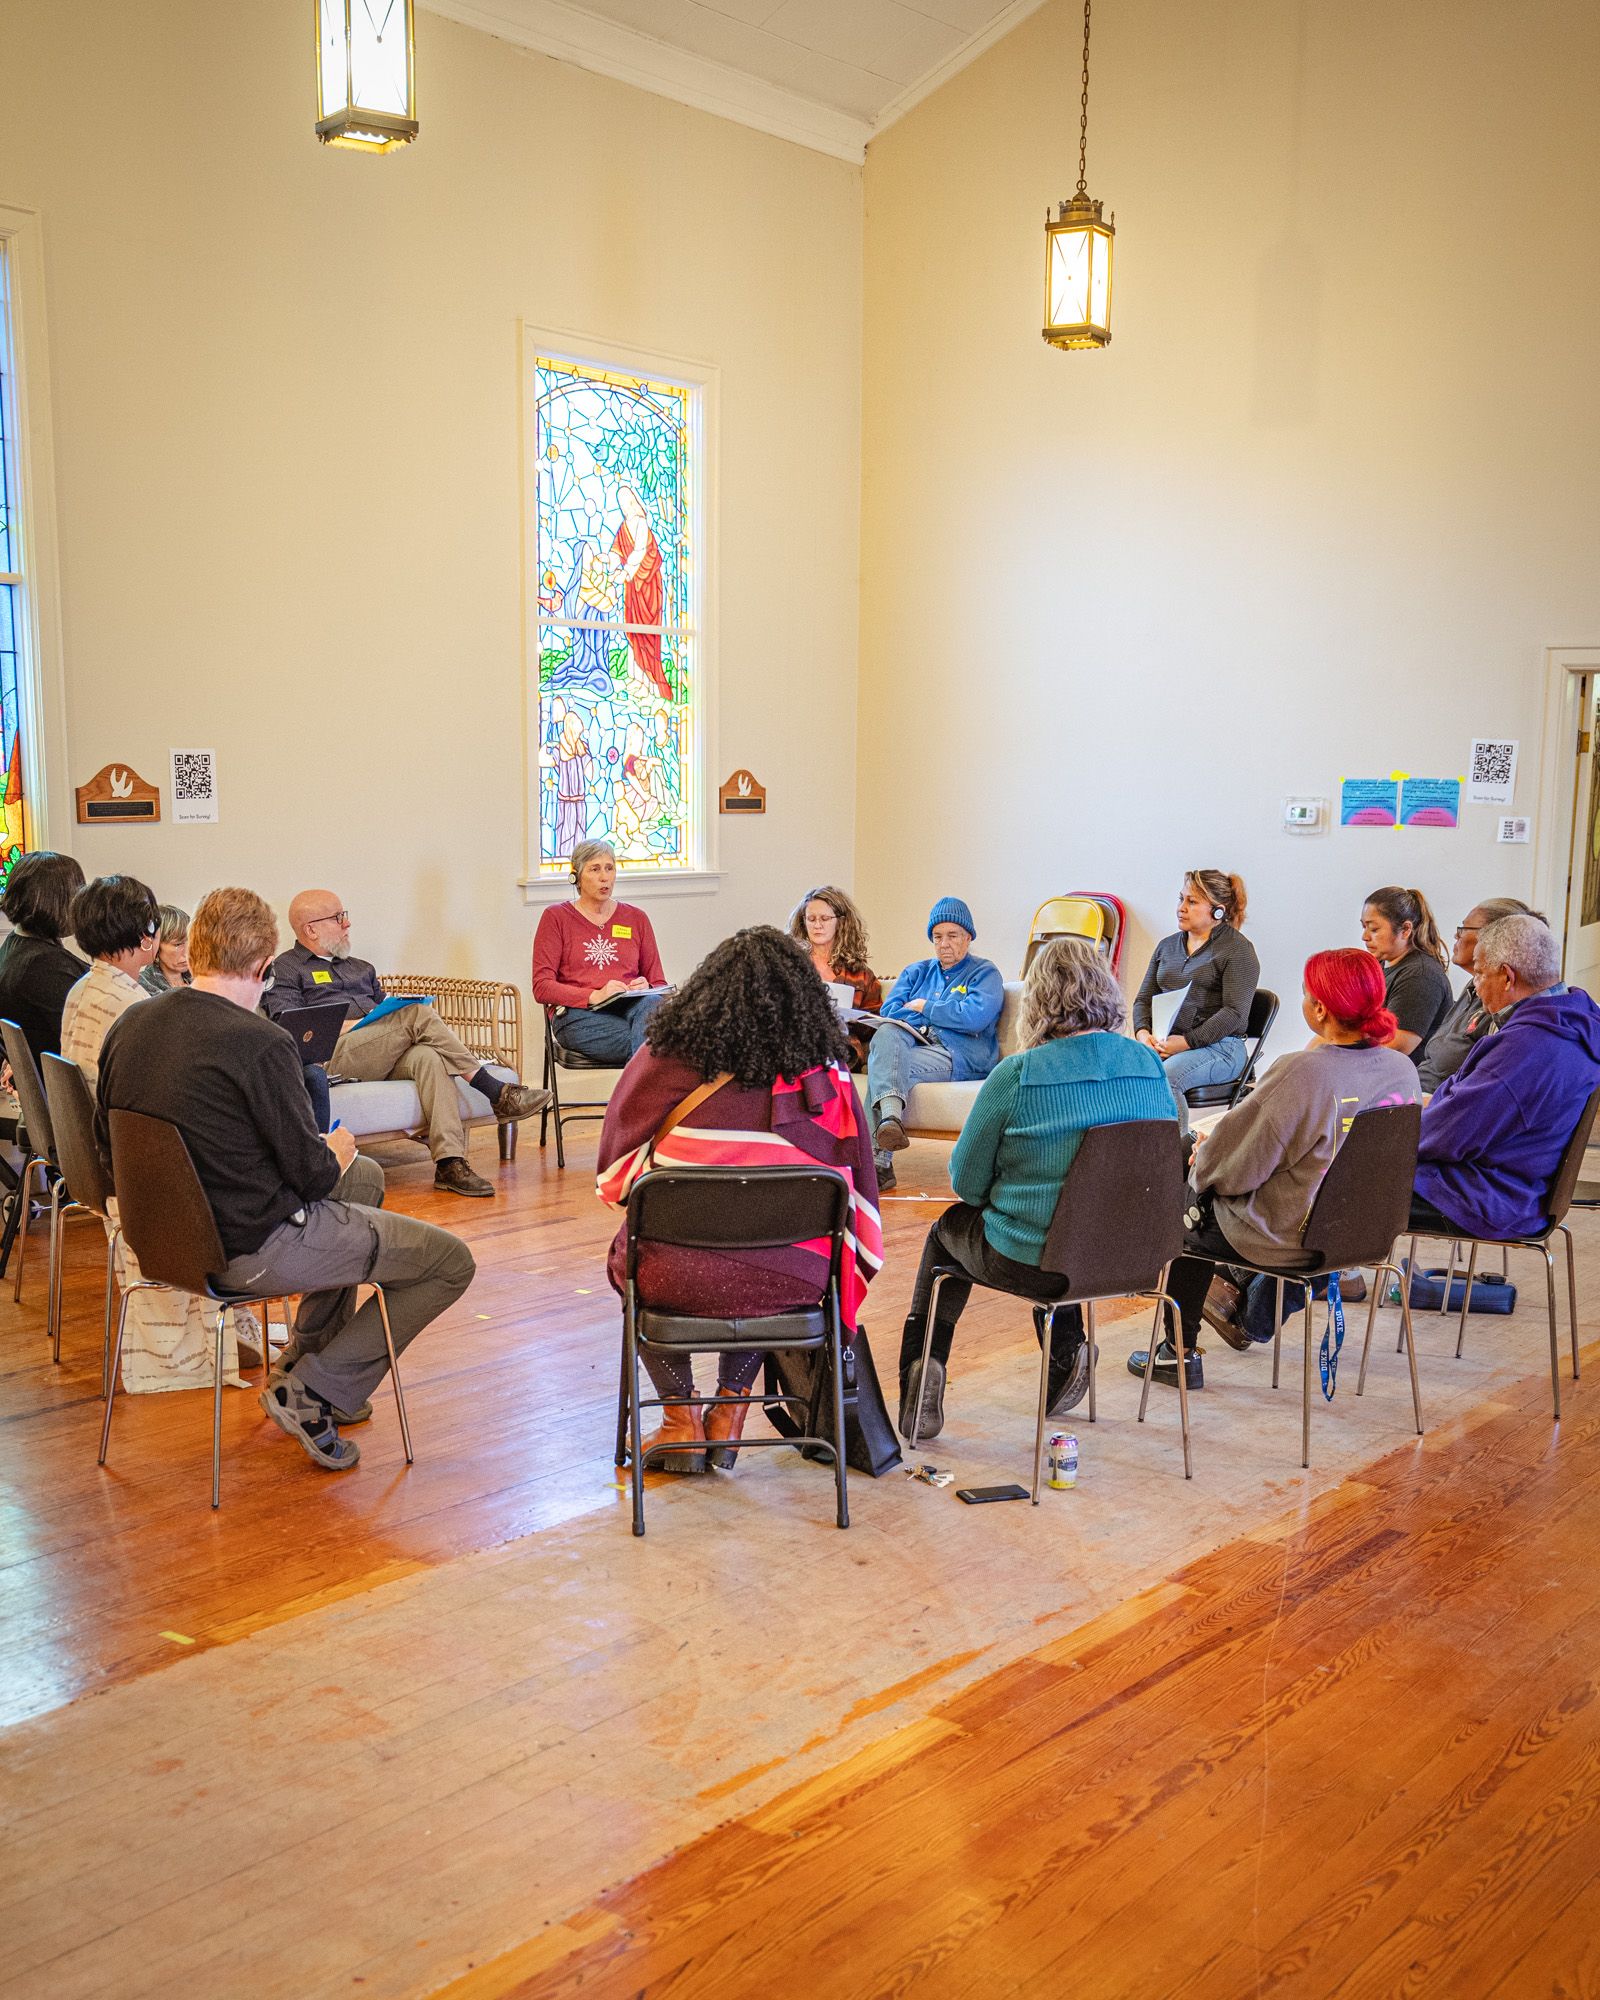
(615,594)
(13,815)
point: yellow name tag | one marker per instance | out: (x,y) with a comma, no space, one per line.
(622,930)
(322,978)
(958,989)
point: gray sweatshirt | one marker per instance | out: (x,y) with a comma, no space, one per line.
(1265,1160)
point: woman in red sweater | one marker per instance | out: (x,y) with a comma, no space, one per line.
(595,962)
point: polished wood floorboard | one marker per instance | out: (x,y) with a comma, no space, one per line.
(1354,1753)
(106,1574)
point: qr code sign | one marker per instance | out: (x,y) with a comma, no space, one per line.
(1492,773)
(194,785)
(1493,763)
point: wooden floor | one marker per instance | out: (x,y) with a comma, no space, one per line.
(1355,1754)
(1351,1748)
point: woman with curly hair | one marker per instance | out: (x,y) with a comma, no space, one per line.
(829,925)
(1074,1070)
(754,1021)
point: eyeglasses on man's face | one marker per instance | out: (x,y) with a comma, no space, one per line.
(339,917)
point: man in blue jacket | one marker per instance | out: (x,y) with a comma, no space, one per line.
(950,1004)
(1493,1134)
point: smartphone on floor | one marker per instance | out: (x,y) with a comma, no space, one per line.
(980,1496)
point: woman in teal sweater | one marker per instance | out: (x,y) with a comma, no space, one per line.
(1074,1070)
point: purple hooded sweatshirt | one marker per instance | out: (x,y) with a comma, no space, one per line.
(1493,1134)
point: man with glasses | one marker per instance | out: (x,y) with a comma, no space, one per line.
(412,1042)
(297,1212)
(1468,1020)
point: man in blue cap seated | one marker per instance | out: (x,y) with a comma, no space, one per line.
(950,1004)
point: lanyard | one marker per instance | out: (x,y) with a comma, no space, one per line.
(1332,1338)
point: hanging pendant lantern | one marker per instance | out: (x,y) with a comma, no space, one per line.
(366,74)
(1077,251)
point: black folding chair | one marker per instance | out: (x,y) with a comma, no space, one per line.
(1559,1201)
(556,1059)
(1117,1225)
(170,1229)
(1359,1210)
(1257,1027)
(87,1183)
(41,1154)
(734,1208)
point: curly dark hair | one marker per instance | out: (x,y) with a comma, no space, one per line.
(754,1006)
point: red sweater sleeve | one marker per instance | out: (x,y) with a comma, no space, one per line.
(549,988)
(649,955)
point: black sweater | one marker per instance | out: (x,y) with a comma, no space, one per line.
(1222,977)
(232,1084)
(36,975)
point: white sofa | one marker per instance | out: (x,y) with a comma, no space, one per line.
(939,1110)
(487,1015)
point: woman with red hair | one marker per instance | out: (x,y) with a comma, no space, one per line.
(1256,1175)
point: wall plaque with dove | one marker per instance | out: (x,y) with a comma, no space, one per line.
(741,794)
(117,793)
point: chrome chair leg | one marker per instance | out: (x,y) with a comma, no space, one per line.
(1044,1398)
(927,1349)
(26,1200)
(1555,1352)
(394,1370)
(1305,1399)
(1372,1314)
(630,1346)
(1466,1299)
(1150,1355)
(144,1285)
(1449,1277)
(1089,1333)
(841,1484)
(52,1311)
(1572,1298)
(111,1286)
(216,1412)
(1277,1332)
(1408,1334)
(1405,1286)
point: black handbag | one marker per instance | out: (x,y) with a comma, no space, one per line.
(870,1444)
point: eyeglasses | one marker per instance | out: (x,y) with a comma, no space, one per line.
(1468,930)
(338,917)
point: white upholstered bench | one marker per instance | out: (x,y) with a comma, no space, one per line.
(486,1014)
(939,1110)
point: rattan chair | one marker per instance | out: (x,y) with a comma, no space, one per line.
(486,1014)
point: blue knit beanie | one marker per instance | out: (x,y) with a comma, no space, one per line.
(951,910)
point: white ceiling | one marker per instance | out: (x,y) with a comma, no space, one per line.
(827,73)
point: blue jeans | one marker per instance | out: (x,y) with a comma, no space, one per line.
(1221,1062)
(896,1063)
(607,1034)
(317,1090)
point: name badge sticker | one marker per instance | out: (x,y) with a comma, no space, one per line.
(622,930)
(322,978)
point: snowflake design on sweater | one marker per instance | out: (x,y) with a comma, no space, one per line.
(600,952)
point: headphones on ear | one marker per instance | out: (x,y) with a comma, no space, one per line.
(1218,912)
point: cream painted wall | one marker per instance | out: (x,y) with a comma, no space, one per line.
(1315,512)
(287,448)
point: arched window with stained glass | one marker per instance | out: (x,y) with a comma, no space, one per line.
(616,596)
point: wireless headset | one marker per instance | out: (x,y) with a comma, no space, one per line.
(1218,912)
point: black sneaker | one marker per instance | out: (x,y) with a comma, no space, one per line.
(890,1136)
(1166,1368)
(886,1176)
(1069,1379)
(932,1413)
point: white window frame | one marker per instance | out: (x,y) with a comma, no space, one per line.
(703,379)
(41,696)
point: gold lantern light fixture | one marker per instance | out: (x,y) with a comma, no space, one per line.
(366,74)
(1077,251)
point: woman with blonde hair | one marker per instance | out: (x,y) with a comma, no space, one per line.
(829,925)
(1074,1070)
(1206,954)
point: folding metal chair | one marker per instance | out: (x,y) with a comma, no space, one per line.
(556,1059)
(1258,1025)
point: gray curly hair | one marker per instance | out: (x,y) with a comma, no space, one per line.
(1068,991)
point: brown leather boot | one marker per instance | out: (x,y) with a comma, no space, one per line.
(679,1426)
(724,1428)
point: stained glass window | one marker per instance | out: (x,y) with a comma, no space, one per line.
(615,594)
(12,828)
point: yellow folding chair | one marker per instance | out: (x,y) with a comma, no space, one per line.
(1064,916)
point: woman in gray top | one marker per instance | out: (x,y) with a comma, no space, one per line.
(1256,1175)
(1206,954)
(171,965)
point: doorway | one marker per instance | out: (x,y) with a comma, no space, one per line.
(1581,915)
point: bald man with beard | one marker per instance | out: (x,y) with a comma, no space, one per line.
(412,1043)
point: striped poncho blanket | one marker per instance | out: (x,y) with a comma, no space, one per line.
(815,1120)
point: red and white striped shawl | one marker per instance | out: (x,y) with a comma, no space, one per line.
(814,1120)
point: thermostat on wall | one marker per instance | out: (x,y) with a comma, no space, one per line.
(1305,815)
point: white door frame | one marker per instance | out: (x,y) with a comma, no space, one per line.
(1552,825)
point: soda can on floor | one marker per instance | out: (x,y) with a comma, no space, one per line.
(1062,1452)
